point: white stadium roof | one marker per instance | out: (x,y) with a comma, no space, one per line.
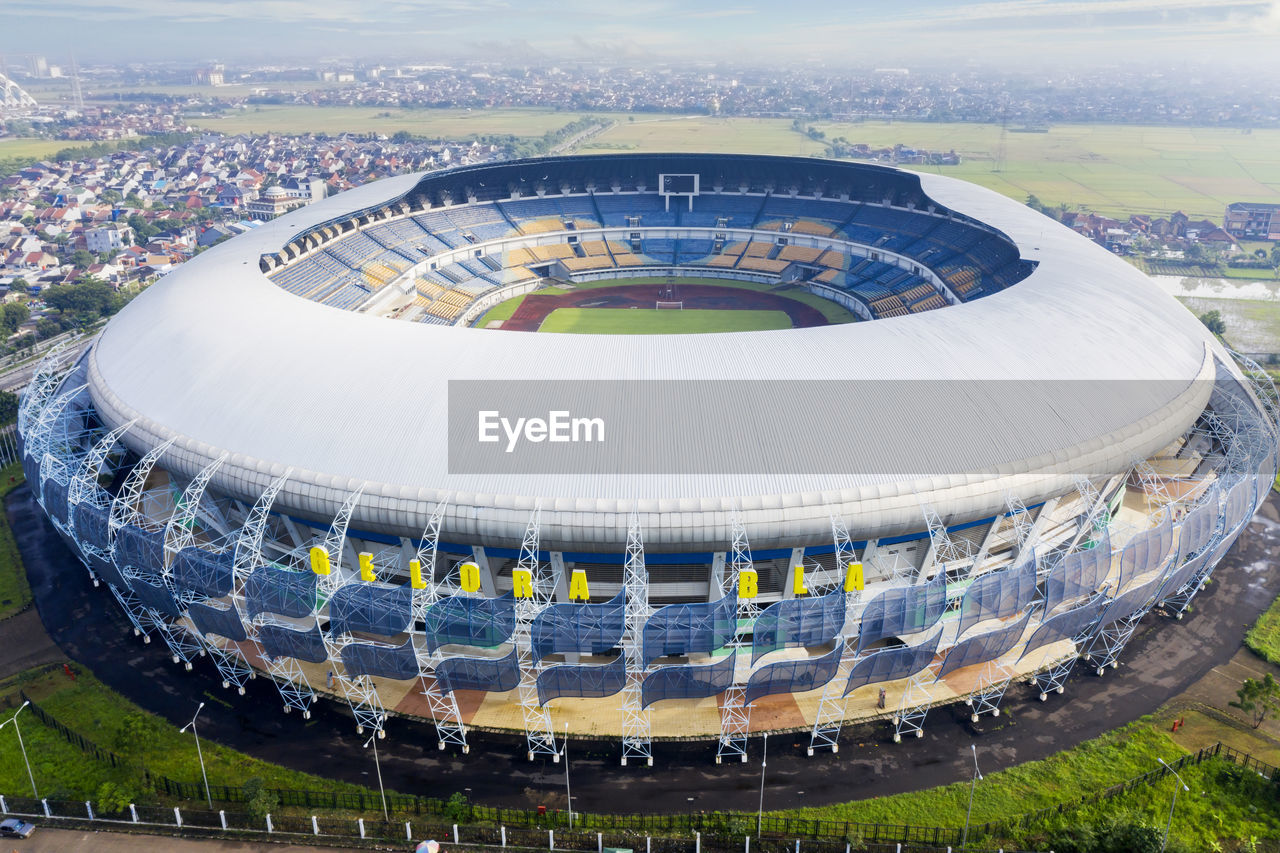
(220,358)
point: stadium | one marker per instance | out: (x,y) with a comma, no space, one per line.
(652,446)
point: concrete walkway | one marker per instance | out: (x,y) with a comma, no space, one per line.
(49,840)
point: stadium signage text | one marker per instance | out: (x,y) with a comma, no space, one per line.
(559,426)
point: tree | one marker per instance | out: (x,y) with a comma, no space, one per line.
(13,315)
(47,327)
(8,407)
(112,798)
(81,259)
(1213,322)
(258,799)
(1258,698)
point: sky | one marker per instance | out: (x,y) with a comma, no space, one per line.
(853,32)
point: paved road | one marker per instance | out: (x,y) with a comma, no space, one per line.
(1162,660)
(15,379)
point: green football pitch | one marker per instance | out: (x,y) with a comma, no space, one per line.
(652,321)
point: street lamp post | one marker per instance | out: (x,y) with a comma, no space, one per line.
(568,794)
(973,783)
(1165,841)
(377,764)
(22,746)
(764,762)
(192,725)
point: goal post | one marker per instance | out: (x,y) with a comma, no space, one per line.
(669,306)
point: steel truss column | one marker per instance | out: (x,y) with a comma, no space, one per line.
(58,459)
(636,727)
(180,534)
(1053,678)
(954,557)
(1264,389)
(538,732)
(833,704)
(914,706)
(360,692)
(84,488)
(443,706)
(735,716)
(125,510)
(287,675)
(989,692)
(1096,501)
(41,389)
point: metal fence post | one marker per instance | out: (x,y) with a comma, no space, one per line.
(360,822)
(551,839)
(177,816)
(222,817)
(88,806)
(47,813)
(647,841)
(133,812)
(746,846)
(697,842)
(4,807)
(504,836)
(455,833)
(270,828)
(599,842)
(408,831)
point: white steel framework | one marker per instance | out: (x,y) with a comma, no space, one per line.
(831,707)
(636,726)
(286,673)
(735,716)
(539,736)
(442,705)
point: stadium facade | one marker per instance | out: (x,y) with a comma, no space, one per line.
(1021,449)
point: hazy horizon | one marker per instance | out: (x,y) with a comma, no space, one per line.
(927,32)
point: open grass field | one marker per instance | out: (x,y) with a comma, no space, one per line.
(651,321)
(31,149)
(1253,325)
(448,124)
(703,133)
(1264,637)
(1226,802)
(94,711)
(1107,168)
(15,592)
(1113,169)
